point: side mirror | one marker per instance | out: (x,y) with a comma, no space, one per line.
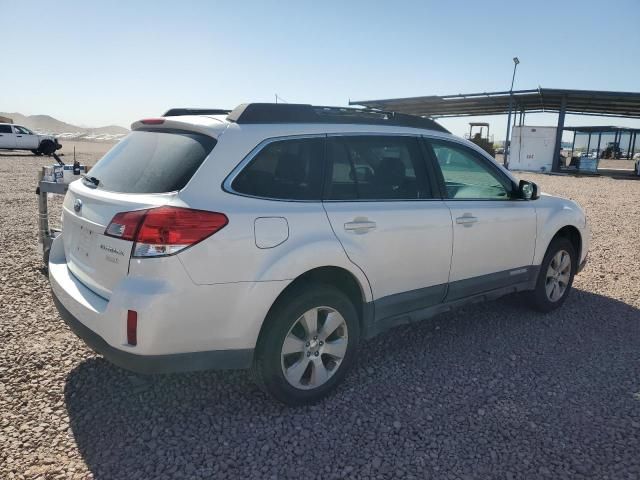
(528,190)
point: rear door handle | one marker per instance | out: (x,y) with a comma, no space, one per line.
(467,220)
(359,225)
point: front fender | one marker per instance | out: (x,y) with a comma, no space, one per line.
(553,214)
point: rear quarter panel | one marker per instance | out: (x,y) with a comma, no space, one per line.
(232,254)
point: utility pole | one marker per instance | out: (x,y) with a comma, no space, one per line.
(507,142)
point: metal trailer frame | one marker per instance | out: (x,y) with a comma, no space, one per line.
(46,235)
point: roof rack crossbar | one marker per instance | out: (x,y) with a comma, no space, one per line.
(177,112)
(253,113)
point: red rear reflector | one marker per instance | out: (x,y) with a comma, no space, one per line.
(153,121)
(164,230)
(132,327)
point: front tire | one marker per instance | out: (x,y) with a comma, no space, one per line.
(36,152)
(307,345)
(555,277)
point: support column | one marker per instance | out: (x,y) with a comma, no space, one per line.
(556,151)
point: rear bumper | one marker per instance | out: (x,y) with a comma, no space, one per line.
(181,326)
(177,362)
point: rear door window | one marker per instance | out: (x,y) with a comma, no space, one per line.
(5,129)
(284,170)
(152,161)
(372,167)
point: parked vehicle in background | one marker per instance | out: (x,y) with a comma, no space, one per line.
(277,237)
(16,137)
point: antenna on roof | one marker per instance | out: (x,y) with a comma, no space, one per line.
(280,98)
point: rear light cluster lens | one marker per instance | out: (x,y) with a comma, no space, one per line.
(125,225)
(164,230)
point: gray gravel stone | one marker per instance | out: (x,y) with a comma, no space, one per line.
(491,391)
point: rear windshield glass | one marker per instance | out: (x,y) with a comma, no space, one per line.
(152,162)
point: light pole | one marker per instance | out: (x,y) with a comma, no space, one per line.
(507,142)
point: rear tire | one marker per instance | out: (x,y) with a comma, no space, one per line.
(47,147)
(36,152)
(555,277)
(307,345)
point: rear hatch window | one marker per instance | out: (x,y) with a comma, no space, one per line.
(152,161)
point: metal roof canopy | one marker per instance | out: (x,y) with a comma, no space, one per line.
(603,129)
(579,102)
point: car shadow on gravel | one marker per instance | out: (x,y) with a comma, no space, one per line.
(492,386)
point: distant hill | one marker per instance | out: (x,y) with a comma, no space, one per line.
(46,123)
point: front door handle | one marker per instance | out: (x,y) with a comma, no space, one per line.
(19,136)
(360,225)
(467,220)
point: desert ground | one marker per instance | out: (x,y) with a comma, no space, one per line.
(490,391)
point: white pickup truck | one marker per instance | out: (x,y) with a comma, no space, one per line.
(16,137)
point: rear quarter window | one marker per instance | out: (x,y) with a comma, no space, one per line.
(284,170)
(152,161)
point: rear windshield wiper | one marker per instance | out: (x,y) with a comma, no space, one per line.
(91,179)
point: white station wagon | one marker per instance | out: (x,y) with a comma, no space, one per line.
(278,237)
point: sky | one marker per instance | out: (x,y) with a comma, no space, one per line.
(113,62)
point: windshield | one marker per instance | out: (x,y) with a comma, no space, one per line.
(151,162)
(23,130)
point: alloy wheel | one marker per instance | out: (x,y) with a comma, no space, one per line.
(558,275)
(314,348)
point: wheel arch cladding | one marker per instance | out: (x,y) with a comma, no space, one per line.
(337,277)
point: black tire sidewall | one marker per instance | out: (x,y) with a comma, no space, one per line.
(277,326)
(47,147)
(541,301)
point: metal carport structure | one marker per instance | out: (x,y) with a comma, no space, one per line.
(561,101)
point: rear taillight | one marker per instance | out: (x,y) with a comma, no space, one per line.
(125,225)
(164,230)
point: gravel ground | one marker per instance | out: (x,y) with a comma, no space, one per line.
(493,391)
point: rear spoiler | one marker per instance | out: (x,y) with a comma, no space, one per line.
(178,112)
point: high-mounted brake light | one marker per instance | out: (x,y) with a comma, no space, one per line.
(164,230)
(153,121)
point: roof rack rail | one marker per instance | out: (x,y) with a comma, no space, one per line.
(177,112)
(252,113)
